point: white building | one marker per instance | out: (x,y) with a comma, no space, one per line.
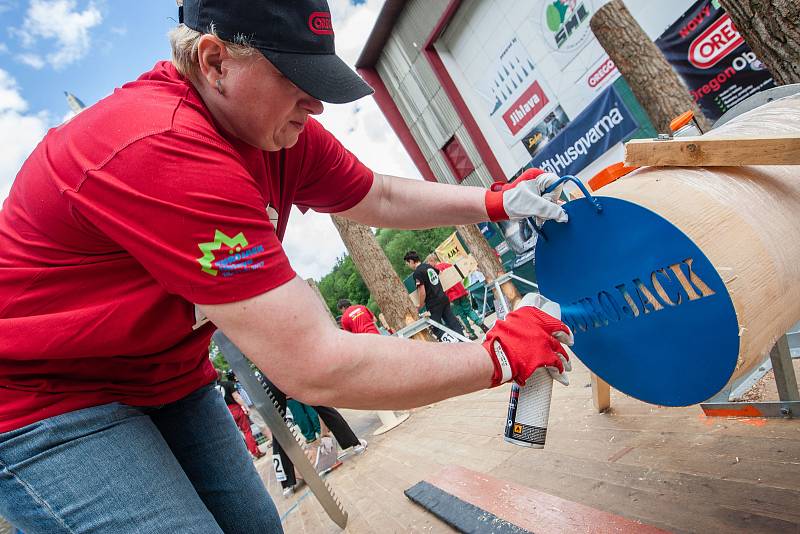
(478,90)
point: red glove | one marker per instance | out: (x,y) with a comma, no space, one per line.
(525,197)
(527,339)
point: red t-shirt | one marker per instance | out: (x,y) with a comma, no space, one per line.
(123,219)
(359,320)
(458,290)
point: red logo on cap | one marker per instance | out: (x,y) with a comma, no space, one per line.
(320,23)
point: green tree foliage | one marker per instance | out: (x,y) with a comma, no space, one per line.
(344,281)
(217,360)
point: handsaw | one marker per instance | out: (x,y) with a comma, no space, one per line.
(266,405)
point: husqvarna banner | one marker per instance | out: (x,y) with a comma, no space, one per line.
(707,51)
(604,123)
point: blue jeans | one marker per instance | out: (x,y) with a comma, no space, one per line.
(181,467)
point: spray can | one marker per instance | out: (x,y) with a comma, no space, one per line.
(529,405)
(529,411)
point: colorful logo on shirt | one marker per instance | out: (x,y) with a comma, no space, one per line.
(238,255)
(433,276)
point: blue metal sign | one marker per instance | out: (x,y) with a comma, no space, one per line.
(650,314)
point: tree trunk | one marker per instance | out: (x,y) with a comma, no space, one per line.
(315,288)
(655,84)
(383,283)
(772,30)
(488,262)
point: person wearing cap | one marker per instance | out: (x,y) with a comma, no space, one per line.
(152,218)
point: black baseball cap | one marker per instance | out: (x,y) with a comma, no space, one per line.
(294,35)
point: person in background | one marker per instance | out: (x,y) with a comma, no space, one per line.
(239,410)
(356,318)
(332,419)
(306,418)
(460,301)
(431,295)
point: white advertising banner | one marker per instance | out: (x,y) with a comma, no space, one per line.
(530,68)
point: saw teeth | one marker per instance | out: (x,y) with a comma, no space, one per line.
(313,478)
(272,398)
(292,430)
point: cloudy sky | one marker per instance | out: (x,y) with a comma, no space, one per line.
(89,47)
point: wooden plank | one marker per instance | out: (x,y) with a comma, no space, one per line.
(530,509)
(680,510)
(710,152)
(601,393)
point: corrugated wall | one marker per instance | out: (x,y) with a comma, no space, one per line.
(415,89)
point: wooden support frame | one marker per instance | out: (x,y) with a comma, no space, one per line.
(601,393)
(711,152)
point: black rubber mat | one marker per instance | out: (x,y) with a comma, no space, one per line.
(460,515)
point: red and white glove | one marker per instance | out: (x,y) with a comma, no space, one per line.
(528,338)
(525,197)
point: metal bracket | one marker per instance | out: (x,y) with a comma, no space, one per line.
(785,380)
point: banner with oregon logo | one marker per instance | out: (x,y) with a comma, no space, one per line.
(709,53)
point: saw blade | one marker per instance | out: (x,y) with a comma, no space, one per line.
(268,407)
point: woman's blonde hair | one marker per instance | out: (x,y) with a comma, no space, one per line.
(184,42)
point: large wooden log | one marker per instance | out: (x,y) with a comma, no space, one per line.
(746,220)
(656,86)
(772,29)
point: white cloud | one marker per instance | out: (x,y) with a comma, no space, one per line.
(59,21)
(32,60)
(20,131)
(10,99)
(312,242)
(3,48)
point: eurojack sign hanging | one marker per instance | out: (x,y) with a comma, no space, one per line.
(650,313)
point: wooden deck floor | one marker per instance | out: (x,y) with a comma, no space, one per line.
(669,467)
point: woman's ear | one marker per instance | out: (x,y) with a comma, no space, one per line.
(211,52)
